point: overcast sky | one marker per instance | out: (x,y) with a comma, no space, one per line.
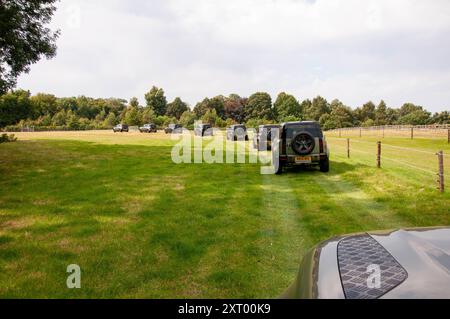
(354,50)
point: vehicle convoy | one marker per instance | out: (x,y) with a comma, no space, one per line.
(120,128)
(262,141)
(148,128)
(300,144)
(203,130)
(237,132)
(174,129)
(401,264)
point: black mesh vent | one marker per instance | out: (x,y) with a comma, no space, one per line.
(355,255)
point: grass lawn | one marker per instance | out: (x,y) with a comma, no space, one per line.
(140,226)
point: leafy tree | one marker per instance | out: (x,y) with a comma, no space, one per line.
(44,104)
(176,108)
(187,118)
(156,100)
(110,120)
(72,121)
(286,106)
(133,116)
(367,112)
(148,115)
(60,118)
(368,123)
(216,103)
(408,108)
(210,117)
(24,37)
(441,118)
(341,115)
(134,102)
(15,106)
(381,116)
(418,117)
(234,108)
(391,116)
(259,106)
(318,107)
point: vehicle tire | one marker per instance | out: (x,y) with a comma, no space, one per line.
(325,165)
(303,143)
(279,170)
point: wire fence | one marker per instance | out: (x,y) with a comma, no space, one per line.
(421,164)
(407,131)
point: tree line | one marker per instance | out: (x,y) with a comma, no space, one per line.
(19,109)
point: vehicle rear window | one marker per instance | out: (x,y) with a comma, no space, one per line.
(313,129)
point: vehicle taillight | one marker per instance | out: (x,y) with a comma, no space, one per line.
(321,145)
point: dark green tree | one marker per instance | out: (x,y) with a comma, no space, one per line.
(215,103)
(318,107)
(381,116)
(176,108)
(15,106)
(286,106)
(441,118)
(156,100)
(24,37)
(418,117)
(259,106)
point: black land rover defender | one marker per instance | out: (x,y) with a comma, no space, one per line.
(237,133)
(262,141)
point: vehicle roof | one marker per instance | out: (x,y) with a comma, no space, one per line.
(270,125)
(299,122)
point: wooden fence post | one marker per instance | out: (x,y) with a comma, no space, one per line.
(360,132)
(448,136)
(441,171)
(412,132)
(383,131)
(379,155)
(348,148)
(340,133)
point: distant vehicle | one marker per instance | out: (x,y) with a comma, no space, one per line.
(264,134)
(148,128)
(203,130)
(302,144)
(237,132)
(174,129)
(400,264)
(120,128)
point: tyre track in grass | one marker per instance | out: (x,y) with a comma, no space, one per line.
(283,240)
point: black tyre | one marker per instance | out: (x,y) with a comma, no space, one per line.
(325,165)
(303,143)
(279,169)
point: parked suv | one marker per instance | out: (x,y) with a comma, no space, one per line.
(174,129)
(302,144)
(237,132)
(264,133)
(148,128)
(203,130)
(120,128)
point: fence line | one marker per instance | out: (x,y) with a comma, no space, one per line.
(344,151)
(411,131)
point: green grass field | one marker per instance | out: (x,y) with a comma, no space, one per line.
(140,226)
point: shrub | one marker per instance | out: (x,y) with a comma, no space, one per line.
(5,138)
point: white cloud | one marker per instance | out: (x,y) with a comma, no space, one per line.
(353,50)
